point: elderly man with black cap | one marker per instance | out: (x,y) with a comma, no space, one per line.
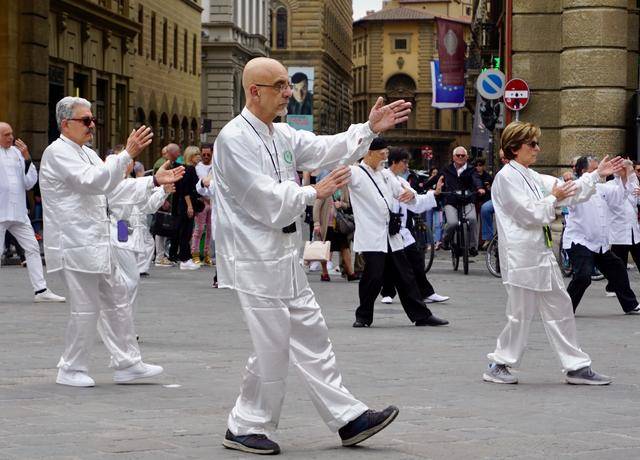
(375,197)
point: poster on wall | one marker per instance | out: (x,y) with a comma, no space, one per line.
(300,108)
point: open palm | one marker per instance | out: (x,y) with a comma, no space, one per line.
(383,117)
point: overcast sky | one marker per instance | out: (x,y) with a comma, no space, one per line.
(360,7)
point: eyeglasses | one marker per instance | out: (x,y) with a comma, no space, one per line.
(460,155)
(85,120)
(533,144)
(281,87)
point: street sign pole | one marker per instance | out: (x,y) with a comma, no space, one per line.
(517,115)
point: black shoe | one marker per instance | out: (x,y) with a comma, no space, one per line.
(359,323)
(252,443)
(144,274)
(366,425)
(446,246)
(353,277)
(473,252)
(432,320)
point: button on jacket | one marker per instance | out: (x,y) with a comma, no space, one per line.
(14,181)
(370,211)
(588,223)
(253,254)
(523,205)
(74,182)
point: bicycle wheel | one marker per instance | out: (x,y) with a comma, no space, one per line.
(493,258)
(429,250)
(563,259)
(465,247)
(455,249)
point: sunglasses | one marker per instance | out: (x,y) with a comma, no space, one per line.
(460,155)
(533,144)
(85,120)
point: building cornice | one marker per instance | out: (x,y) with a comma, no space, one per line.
(98,15)
(193,5)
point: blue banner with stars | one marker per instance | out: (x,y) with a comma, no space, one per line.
(445,97)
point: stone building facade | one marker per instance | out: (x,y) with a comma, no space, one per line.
(318,34)
(90,48)
(234,32)
(392,53)
(580,58)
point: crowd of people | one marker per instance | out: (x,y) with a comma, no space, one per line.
(242,205)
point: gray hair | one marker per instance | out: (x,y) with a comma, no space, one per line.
(66,106)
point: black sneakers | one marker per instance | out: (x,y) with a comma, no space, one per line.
(252,443)
(366,425)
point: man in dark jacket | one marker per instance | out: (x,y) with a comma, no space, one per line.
(459,175)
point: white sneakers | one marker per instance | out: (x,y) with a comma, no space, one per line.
(48,296)
(74,378)
(387,299)
(433,298)
(137,371)
(609,294)
(189,265)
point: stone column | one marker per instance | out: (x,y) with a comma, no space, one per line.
(593,76)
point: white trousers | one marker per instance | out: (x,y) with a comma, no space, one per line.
(145,258)
(24,235)
(559,323)
(97,295)
(283,331)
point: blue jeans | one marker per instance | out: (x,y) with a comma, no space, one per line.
(434,221)
(486,216)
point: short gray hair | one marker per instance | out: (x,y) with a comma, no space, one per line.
(66,106)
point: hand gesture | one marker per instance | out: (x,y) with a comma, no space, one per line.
(564,190)
(339,177)
(439,186)
(481,191)
(24,150)
(406,196)
(189,211)
(169,188)
(384,117)
(139,139)
(206,181)
(169,176)
(608,167)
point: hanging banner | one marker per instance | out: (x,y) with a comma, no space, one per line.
(444,96)
(451,51)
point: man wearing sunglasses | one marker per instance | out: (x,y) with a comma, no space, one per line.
(18,174)
(459,176)
(76,186)
(258,218)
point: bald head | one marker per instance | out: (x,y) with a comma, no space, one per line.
(172,151)
(267,88)
(6,135)
(261,70)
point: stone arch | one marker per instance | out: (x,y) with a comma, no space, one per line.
(184,132)
(402,86)
(175,129)
(193,132)
(140,117)
(163,129)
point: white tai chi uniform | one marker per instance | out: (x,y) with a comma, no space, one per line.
(15,179)
(523,206)
(143,243)
(74,183)
(208,192)
(257,259)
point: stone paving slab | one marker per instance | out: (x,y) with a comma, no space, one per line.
(432,374)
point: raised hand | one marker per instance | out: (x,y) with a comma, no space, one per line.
(406,196)
(169,188)
(339,177)
(24,150)
(608,167)
(383,117)
(169,176)
(564,190)
(439,185)
(139,139)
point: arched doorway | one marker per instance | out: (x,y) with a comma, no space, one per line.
(193,132)
(402,86)
(184,133)
(154,148)
(175,130)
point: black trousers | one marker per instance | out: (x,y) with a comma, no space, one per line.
(622,251)
(416,260)
(181,242)
(403,280)
(611,266)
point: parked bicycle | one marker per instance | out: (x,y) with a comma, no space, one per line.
(424,240)
(492,257)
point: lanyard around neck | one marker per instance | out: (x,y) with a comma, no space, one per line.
(276,169)
(533,189)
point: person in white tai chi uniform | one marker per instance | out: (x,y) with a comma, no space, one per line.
(258,205)
(75,185)
(525,203)
(17,175)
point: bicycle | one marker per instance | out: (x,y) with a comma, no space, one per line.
(460,242)
(492,257)
(424,240)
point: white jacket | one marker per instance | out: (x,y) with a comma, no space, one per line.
(253,254)
(74,182)
(14,181)
(623,217)
(523,205)
(422,203)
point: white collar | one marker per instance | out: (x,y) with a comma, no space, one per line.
(258,124)
(70,142)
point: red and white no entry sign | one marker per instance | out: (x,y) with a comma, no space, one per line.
(516,94)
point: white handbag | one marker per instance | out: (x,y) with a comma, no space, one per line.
(317,251)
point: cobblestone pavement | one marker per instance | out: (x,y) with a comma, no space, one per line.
(432,374)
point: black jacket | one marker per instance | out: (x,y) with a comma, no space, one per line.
(468,180)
